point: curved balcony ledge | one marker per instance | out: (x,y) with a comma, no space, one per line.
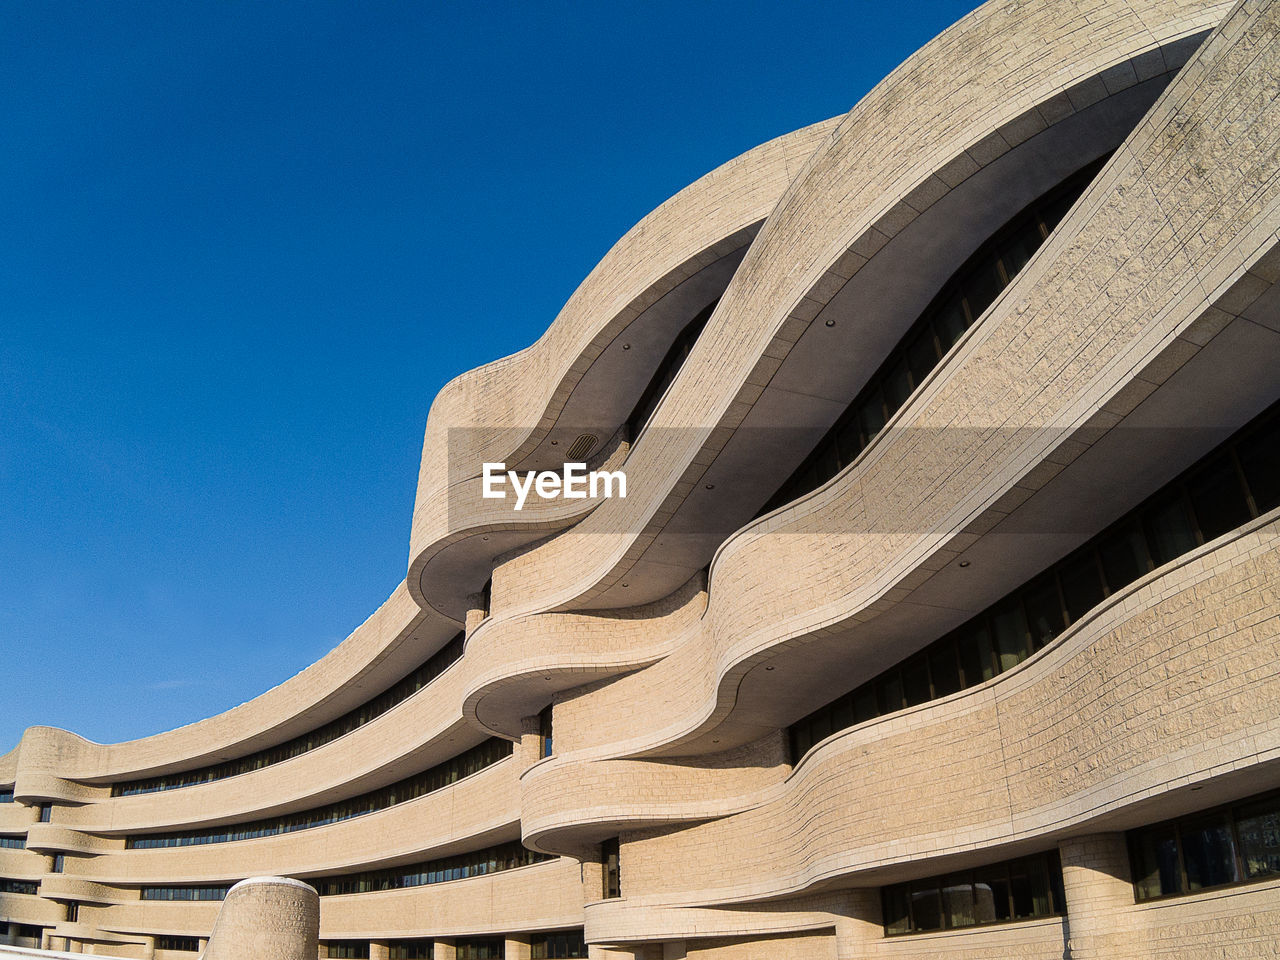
(476,811)
(765,600)
(56,838)
(544,896)
(50,763)
(854,199)
(413,735)
(526,393)
(560,651)
(1163,689)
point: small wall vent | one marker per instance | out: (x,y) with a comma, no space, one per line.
(581,447)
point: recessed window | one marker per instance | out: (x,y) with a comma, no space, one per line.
(410,950)
(404,688)
(544,732)
(347,949)
(1217,848)
(560,945)
(480,948)
(1188,511)
(438,777)
(959,304)
(609,851)
(1024,889)
(188,944)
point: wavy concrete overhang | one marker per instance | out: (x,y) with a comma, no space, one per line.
(843,818)
(839,212)
(422,731)
(843,342)
(477,811)
(636,795)
(764,570)
(48,762)
(663,270)
(565,651)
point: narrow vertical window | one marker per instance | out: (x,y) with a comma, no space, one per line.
(544,732)
(612,871)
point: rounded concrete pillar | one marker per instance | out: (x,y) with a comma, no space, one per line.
(267,918)
(1095,879)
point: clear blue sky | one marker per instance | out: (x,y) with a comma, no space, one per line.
(243,246)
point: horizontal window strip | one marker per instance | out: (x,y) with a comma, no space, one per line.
(962,300)
(190,944)
(560,945)
(1028,888)
(18,886)
(185,893)
(6,796)
(665,374)
(13,843)
(442,775)
(506,856)
(1219,847)
(1234,484)
(440,661)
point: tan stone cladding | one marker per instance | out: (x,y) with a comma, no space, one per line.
(647,670)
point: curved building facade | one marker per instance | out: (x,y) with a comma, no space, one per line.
(941,614)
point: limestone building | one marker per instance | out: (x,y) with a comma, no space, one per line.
(942,614)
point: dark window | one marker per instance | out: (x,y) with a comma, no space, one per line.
(13,843)
(410,950)
(348,949)
(486,948)
(6,796)
(506,856)
(1082,588)
(189,944)
(1166,525)
(1044,611)
(1260,460)
(435,665)
(962,299)
(544,732)
(438,777)
(915,681)
(1224,846)
(185,893)
(1009,628)
(976,658)
(1218,497)
(59,862)
(46,812)
(1124,556)
(1258,827)
(73,912)
(944,668)
(1021,889)
(561,945)
(1156,870)
(666,371)
(609,851)
(1208,853)
(889,692)
(18,886)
